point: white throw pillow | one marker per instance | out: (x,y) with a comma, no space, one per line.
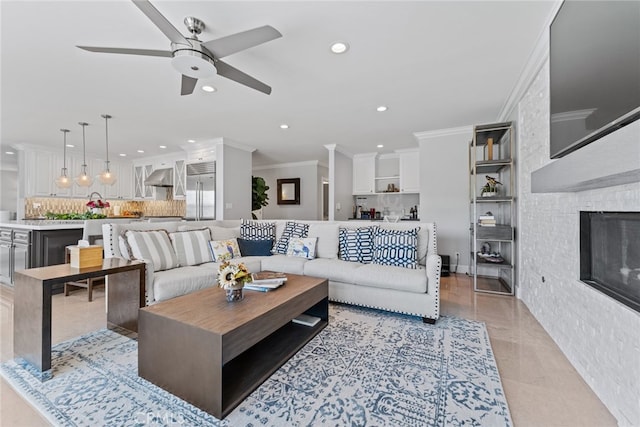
(224,250)
(303,247)
(327,234)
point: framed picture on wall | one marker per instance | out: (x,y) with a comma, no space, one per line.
(289,191)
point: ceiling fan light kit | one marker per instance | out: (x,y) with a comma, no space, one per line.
(63,181)
(83,179)
(195,59)
(107,177)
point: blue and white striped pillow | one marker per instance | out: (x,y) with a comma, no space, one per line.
(396,247)
(291,229)
(356,244)
(154,246)
(192,247)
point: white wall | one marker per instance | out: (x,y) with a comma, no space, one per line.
(444,189)
(342,185)
(233,182)
(309,190)
(323,173)
(600,336)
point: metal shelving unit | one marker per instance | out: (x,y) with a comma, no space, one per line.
(491,154)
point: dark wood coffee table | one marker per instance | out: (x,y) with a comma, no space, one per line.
(213,353)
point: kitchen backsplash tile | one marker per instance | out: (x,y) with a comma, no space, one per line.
(59,206)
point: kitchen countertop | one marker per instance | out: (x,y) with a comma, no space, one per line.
(44,224)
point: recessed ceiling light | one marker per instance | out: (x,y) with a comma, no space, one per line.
(140,151)
(10,153)
(70,145)
(208,88)
(380,146)
(339,47)
(163,146)
(284,126)
(381,108)
(191,141)
(123,155)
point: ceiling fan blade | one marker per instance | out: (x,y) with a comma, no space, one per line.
(188,84)
(240,41)
(145,52)
(226,70)
(161,22)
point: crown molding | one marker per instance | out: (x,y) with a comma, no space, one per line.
(288,165)
(536,60)
(430,134)
(340,149)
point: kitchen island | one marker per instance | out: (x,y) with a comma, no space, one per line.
(35,243)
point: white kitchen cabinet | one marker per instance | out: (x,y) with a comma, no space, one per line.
(364,173)
(41,170)
(125,181)
(180,180)
(148,190)
(138,182)
(409,171)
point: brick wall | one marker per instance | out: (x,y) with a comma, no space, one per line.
(600,336)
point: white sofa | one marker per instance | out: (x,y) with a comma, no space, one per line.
(397,289)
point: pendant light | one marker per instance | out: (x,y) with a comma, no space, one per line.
(84,179)
(107,177)
(63,181)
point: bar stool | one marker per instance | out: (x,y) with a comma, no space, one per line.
(86,283)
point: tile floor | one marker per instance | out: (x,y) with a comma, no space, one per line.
(542,387)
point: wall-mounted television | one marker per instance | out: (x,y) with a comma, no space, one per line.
(594,71)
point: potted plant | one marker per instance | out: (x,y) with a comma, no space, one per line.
(490,189)
(259,195)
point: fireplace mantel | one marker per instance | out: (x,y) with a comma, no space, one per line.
(610,161)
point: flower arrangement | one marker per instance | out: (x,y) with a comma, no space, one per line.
(233,276)
(97,204)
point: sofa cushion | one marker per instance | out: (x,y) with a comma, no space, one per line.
(356,244)
(153,245)
(253,264)
(224,250)
(255,247)
(217,232)
(181,281)
(389,277)
(396,247)
(333,269)
(291,229)
(327,234)
(192,247)
(284,264)
(253,230)
(304,247)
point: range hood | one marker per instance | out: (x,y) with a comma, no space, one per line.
(160,178)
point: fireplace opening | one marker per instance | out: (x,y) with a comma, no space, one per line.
(610,254)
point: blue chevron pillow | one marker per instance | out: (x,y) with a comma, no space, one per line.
(396,247)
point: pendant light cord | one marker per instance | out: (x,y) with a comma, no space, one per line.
(84,148)
(64,150)
(106,135)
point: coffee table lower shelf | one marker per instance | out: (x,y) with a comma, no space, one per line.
(245,373)
(214,354)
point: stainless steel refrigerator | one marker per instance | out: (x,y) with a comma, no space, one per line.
(201,191)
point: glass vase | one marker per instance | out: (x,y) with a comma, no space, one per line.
(233,295)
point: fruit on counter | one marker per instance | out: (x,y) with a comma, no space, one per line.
(84,215)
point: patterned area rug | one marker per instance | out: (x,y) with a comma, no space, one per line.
(367,367)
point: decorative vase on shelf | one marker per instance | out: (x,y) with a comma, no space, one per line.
(234,294)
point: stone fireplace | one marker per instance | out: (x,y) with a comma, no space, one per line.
(610,254)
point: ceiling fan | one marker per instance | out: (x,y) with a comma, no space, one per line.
(195,59)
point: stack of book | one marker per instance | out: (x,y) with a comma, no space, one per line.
(266,281)
(487,220)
